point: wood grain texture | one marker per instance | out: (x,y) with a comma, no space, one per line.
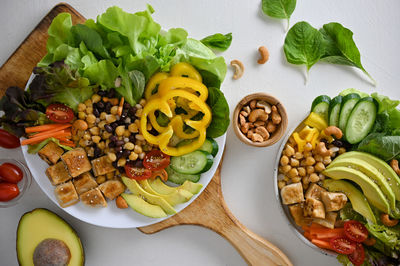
(208,210)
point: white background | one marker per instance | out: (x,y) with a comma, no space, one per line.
(247,173)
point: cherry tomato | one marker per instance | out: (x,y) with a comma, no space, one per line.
(342,245)
(10,173)
(8,140)
(358,256)
(156,160)
(355,231)
(59,113)
(8,191)
(137,173)
(161,174)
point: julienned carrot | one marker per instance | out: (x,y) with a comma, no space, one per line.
(64,139)
(307,235)
(315,225)
(60,133)
(305,228)
(48,132)
(46,127)
(121,106)
(326,233)
(321,244)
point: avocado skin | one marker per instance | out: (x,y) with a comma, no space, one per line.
(47,214)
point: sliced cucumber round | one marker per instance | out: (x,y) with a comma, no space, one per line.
(334,110)
(179,178)
(210,146)
(320,106)
(348,102)
(195,162)
(361,120)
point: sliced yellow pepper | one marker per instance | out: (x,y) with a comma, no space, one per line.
(315,120)
(299,141)
(183,69)
(153,83)
(305,131)
(315,139)
(173,83)
(314,133)
(324,136)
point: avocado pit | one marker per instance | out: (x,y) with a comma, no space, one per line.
(52,252)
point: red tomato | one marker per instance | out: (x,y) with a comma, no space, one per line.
(8,191)
(358,256)
(355,231)
(137,173)
(342,245)
(156,160)
(59,113)
(8,141)
(10,173)
(161,174)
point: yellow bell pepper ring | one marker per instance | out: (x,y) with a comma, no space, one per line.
(177,151)
(182,83)
(153,84)
(184,69)
(299,141)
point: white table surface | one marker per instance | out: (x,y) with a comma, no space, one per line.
(247,173)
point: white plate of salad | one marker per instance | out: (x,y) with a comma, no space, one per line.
(337,178)
(119,114)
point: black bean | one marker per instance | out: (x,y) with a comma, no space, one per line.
(111,144)
(121,122)
(108,128)
(126,153)
(124,114)
(113,138)
(121,169)
(96,112)
(132,111)
(132,138)
(108,107)
(102,93)
(118,150)
(119,155)
(97,152)
(114,125)
(115,164)
(100,105)
(127,105)
(337,143)
(119,143)
(324,141)
(111,93)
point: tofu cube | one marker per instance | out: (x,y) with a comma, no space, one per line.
(112,189)
(58,173)
(84,182)
(329,221)
(297,213)
(314,208)
(333,201)
(292,193)
(76,161)
(94,198)
(51,153)
(314,192)
(66,194)
(102,166)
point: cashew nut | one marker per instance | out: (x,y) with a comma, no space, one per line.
(387,221)
(263,132)
(242,120)
(259,123)
(258,114)
(395,166)
(321,149)
(245,128)
(264,105)
(335,131)
(253,104)
(257,137)
(250,134)
(243,113)
(271,127)
(239,69)
(275,116)
(247,109)
(264,55)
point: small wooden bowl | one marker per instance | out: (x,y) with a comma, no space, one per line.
(277,135)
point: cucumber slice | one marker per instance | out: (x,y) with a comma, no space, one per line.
(210,146)
(334,111)
(320,106)
(179,178)
(361,120)
(195,162)
(348,102)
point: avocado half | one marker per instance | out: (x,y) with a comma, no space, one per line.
(42,224)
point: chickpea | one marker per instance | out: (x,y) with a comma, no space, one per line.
(314,178)
(294,162)
(91,119)
(103,115)
(327,160)
(305,186)
(139,137)
(89,110)
(120,130)
(284,160)
(82,115)
(281,184)
(87,136)
(114,110)
(81,107)
(129,146)
(96,98)
(127,133)
(121,162)
(101,124)
(101,145)
(286,178)
(310,169)
(133,156)
(308,147)
(82,143)
(106,135)
(111,118)
(133,128)
(293,173)
(90,151)
(302,171)
(321,177)
(141,155)
(298,155)
(289,150)
(96,139)
(142,102)
(94,131)
(137,149)
(296,179)
(139,113)
(286,168)
(319,167)
(310,161)
(305,180)
(307,154)
(110,175)
(318,158)
(342,150)
(88,103)
(100,179)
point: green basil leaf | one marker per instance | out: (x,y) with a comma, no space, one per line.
(218,41)
(279,8)
(220,113)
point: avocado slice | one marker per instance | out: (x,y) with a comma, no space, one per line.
(136,189)
(178,196)
(369,171)
(141,206)
(161,188)
(39,226)
(357,199)
(381,166)
(371,190)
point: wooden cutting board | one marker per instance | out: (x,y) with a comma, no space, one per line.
(208,210)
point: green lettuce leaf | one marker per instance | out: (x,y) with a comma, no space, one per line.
(385,103)
(59,31)
(352,90)
(34,148)
(384,147)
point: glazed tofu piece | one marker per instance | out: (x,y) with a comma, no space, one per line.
(292,193)
(333,201)
(51,153)
(58,173)
(77,161)
(84,182)
(112,189)
(329,221)
(94,198)
(314,208)
(66,194)
(297,213)
(314,192)
(102,166)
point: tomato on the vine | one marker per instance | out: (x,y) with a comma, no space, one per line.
(59,113)
(156,160)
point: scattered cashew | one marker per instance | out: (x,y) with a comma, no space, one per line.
(322,150)
(253,104)
(271,127)
(239,69)
(257,138)
(121,203)
(242,120)
(258,114)
(335,131)
(395,166)
(387,221)
(264,105)
(275,116)
(264,55)
(79,125)
(263,132)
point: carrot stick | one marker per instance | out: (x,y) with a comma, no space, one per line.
(46,127)
(307,235)
(121,106)
(65,140)
(49,132)
(327,233)
(321,244)
(305,228)
(60,133)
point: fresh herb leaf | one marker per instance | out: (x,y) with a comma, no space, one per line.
(340,47)
(303,45)
(218,41)
(220,113)
(384,147)
(279,8)
(34,148)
